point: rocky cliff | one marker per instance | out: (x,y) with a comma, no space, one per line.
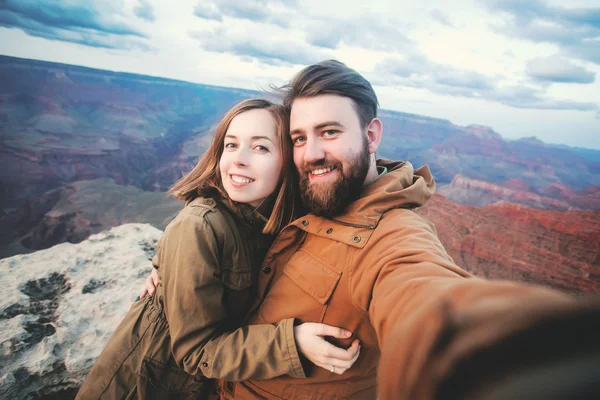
(479,193)
(509,241)
(74,211)
(59,307)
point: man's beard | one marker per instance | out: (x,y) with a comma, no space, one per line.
(330,199)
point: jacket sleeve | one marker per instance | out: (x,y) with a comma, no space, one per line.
(189,262)
(421,301)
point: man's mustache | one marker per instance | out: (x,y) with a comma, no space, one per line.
(320,164)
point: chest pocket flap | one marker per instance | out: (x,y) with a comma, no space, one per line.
(312,275)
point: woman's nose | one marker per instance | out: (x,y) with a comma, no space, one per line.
(241,158)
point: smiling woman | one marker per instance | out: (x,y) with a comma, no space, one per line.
(170,344)
(250,165)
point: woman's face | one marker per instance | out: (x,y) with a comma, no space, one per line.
(252,161)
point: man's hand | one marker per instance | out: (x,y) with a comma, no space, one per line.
(151,284)
(311,343)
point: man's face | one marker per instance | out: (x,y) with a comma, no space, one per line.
(331,152)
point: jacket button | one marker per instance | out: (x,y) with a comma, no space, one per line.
(267,269)
(356,239)
(208,202)
(205,364)
(305,223)
(329,230)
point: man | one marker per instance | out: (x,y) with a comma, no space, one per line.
(365,261)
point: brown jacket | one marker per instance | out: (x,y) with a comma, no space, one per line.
(380,271)
(169,344)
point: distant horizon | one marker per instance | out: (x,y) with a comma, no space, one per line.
(258,91)
(524,68)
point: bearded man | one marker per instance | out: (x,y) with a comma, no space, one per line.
(362,259)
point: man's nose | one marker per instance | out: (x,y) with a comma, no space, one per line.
(313,151)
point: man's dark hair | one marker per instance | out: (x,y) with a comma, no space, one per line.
(333,77)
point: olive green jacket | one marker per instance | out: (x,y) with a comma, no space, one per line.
(169,344)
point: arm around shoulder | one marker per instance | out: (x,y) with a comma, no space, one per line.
(193,293)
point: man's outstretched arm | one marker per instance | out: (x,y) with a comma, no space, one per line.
(423,304)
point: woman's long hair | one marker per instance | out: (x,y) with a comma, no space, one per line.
(205,178)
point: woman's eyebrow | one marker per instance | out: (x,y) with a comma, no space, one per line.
(252,138)
(262,137)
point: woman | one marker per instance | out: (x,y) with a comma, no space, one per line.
(241,193)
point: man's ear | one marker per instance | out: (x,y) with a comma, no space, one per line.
(374,133)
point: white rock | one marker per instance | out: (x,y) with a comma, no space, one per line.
(50,330)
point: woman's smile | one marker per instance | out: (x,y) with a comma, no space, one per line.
(239,181)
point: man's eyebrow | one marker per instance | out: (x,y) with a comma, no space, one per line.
(328,123)
(318,126)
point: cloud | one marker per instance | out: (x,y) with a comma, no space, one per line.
(267,50)
(69,22)
(367,31)
(533,98)
(558,69)
(208,11)
(416,71)
(441,18)
(144,10)
(278,13)
(575,30)
(416,67)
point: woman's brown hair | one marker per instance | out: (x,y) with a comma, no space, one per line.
(205,178)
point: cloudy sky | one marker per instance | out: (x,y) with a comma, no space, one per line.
(525,68)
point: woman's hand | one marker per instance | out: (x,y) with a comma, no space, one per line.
(150,284)
(312,344)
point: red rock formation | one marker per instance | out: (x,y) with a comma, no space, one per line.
(508,241)
(475,192)
(588,199)
(516,184)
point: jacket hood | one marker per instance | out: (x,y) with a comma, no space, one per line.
(401,187)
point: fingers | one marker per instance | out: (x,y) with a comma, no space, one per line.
(353,349)
(154,276)
(341,366)
(143,293)
(149,285)
(328,330)
(331,352)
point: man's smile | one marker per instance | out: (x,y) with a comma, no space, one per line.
(321,173)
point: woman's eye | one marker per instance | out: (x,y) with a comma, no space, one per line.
(261,148)
(230,145)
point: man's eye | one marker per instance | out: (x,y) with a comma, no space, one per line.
(298,140)
(330,133)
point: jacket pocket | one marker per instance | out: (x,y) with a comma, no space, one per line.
(159,381)
(312,275)
(236,279)
(303,291)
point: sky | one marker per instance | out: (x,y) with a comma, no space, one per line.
(524,68)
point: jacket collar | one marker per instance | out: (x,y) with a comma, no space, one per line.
(400,187)
(245,213)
